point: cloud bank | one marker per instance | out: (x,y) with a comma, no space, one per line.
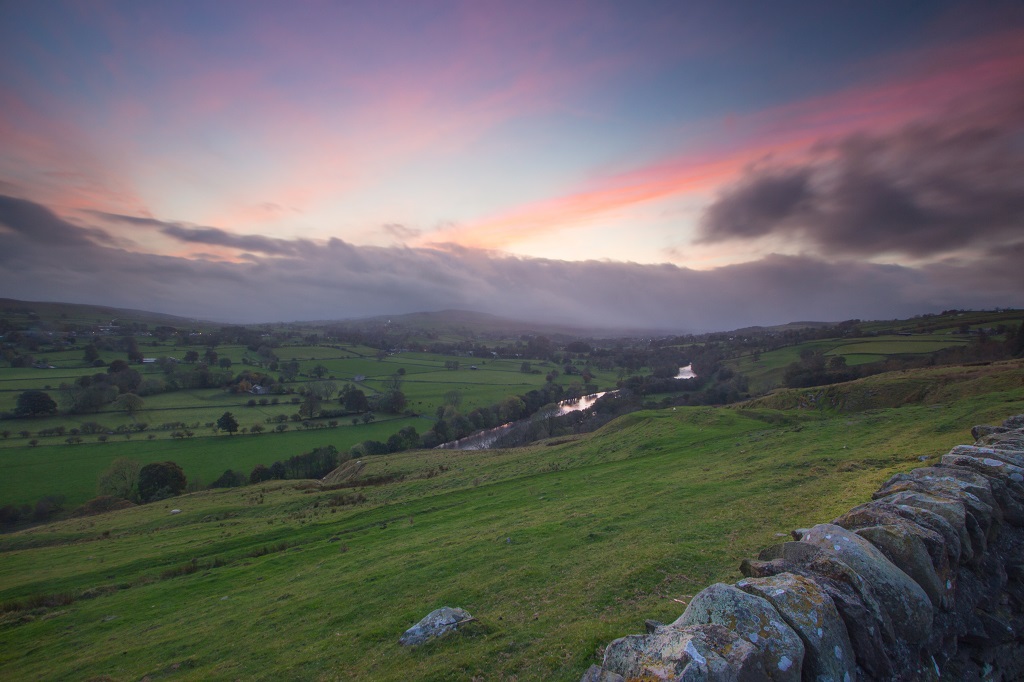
(44,257)
(924,191)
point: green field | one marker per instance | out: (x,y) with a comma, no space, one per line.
(556,549)
(72,470)
(766,372)
(205,456)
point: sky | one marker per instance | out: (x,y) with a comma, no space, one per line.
(693,166)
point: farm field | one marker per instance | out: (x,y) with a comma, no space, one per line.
(555,549)
(766,372)
(84,445)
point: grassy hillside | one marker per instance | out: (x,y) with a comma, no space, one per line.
(556,549)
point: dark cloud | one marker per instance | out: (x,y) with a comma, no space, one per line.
(924,191)
(40,224)
(215,236)
(401,232)
(340,280)
(245,242)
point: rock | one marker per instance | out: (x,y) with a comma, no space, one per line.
(901,597)
(934,522)
(791,551)
(1015,457)
(982,430)
(596,673)
(926,582)
(952,511)
(1012,440)
(1005,480)
(1014,422)
(696,652)
(652,625)
(436,623)
(905,549)
(918,551)
(754,619)
(971,488)
(807,608)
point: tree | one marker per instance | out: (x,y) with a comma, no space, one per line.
(191,356)
(354,399)
(227,422)
(1016,342)
(121,479)
(453,398)
(92,354)
(392,402)
(259,474)
(35,404)
(319,371)
(289,370)
(129,403)
(310,406)
(229,479)
(323,390)
(160,480)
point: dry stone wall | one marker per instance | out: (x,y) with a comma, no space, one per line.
(925,582)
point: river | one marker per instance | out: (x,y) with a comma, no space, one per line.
(481,440)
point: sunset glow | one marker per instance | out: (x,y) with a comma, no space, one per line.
(248,135)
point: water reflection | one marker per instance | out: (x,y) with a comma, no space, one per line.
(481,440)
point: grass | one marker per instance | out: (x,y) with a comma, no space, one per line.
(55,467)
(555,549)
(767,372)
(72,470)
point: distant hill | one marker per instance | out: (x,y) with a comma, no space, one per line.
(488,324)
(466,322)
(50,312)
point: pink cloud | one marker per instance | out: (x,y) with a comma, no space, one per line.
(966,79)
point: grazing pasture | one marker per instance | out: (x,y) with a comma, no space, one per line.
(555,549)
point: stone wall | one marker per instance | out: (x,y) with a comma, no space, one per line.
(925,582)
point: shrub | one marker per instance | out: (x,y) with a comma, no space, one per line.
(101,505)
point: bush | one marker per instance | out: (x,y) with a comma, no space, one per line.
(102,505)
(229,479)
(160,480)
(47,507)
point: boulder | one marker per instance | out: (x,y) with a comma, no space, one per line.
(596,673)
(435,624)
(934,522)
(905,549)
(981,430)
(1013,440)
(1005,480)
(951,510)
(1014,422)
(807,608)
(868,626)
(918,551)
(1015,457)
(971,488)
(901,597)
(753,619)
(697,652)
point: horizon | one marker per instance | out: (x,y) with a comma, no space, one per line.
(542,328)
(700,167)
